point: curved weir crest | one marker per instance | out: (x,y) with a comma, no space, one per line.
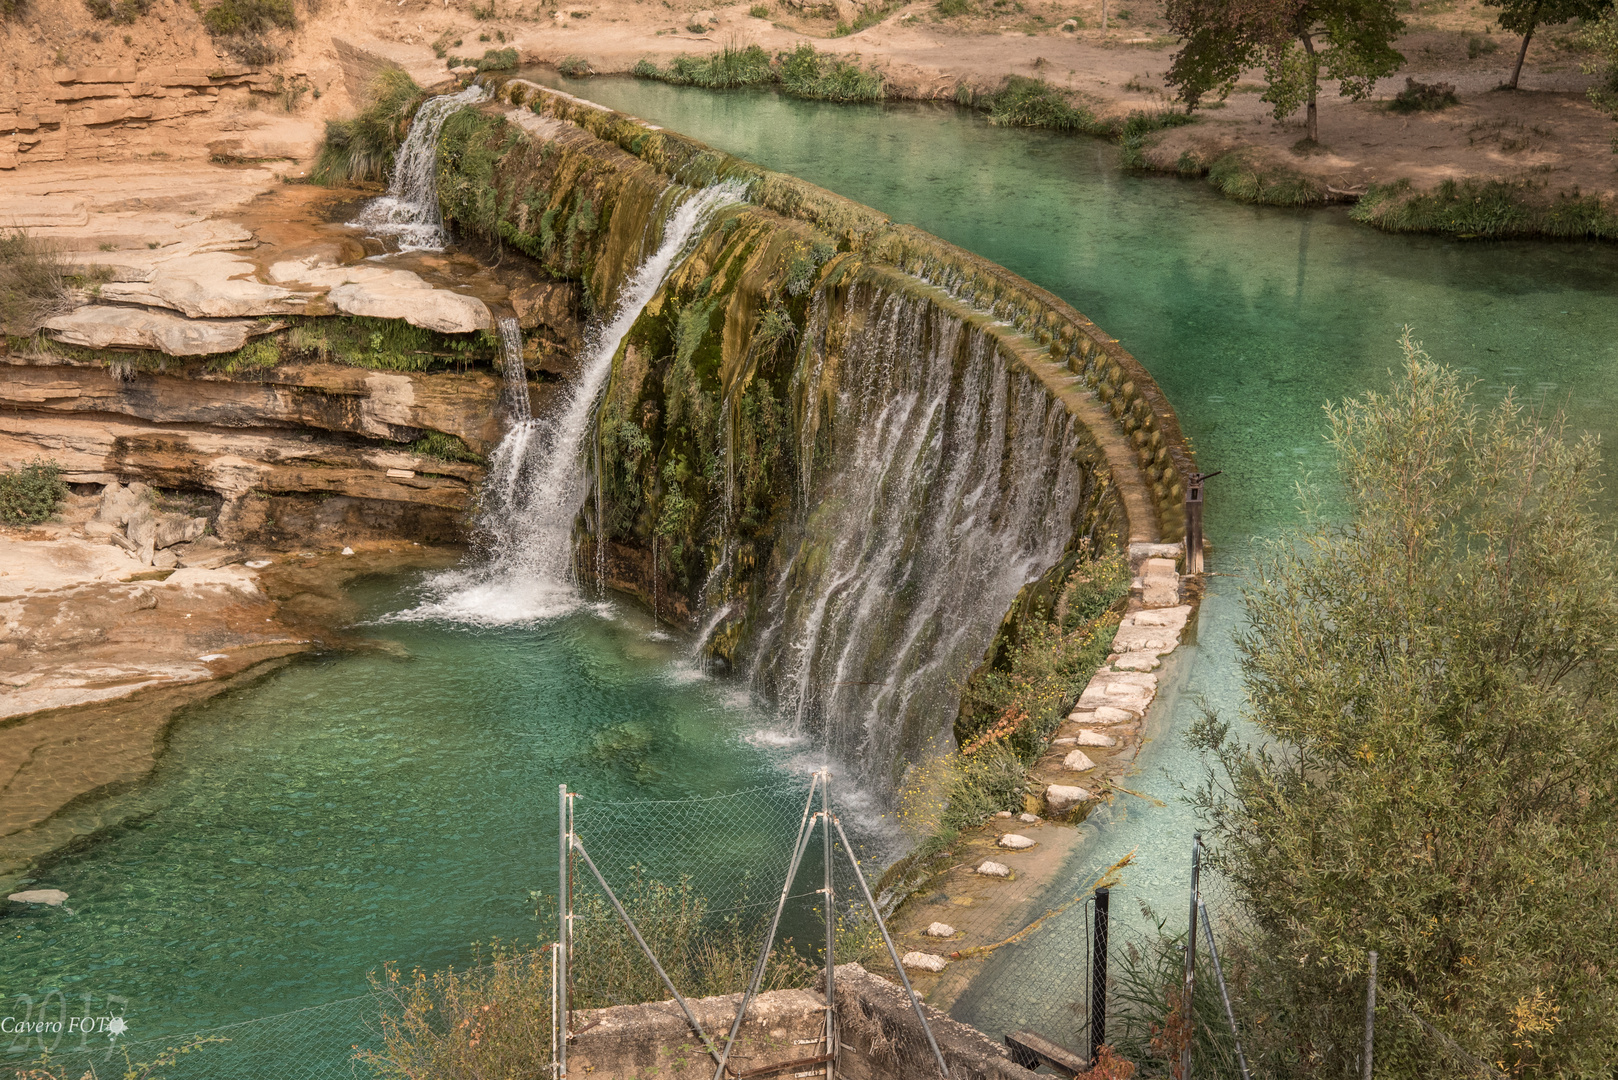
(409,211)
(536,482)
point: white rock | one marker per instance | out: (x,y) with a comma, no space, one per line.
(211,657)
(1066,740)
(348,551)
(1002,813)
(940,929)
(1060,798)
(213,284)
(165,560)
(1028,819)
(1172,617)
(994,869)
(53,897)
(923,961)
(1015,842)
(105,327)
(258,564)
(1095,738)
(383,293)
(1078,761)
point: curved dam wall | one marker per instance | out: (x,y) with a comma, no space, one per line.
(851,456)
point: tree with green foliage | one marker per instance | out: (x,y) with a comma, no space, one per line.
(1437,675)
(1525,16)
(1295,41)
(1601,38)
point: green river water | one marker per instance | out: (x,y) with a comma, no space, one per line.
(353,809)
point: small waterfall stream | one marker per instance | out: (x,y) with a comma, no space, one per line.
(409,211)
(515,371)
(536,480)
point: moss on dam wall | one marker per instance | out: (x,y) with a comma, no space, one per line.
(803,336)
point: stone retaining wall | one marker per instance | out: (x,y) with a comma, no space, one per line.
(879,1037)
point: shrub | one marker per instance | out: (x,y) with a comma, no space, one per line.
(31,494)
(1434,679)
(238,17)
(951,8)
(118,12)
(363,148)
(574,67)
(1424,97)
(759,11)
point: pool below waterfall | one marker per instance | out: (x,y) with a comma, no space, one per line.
(399,803)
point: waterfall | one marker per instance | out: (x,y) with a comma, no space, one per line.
(515,370)
(409,211)
(536,484)
(944,479)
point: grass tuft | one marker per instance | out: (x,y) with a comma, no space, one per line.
(803,73)
(1496,209)
(33,282)
(363,148)
(1035,103)
(1238,178)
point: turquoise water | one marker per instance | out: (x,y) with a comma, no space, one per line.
(388,805)
(1249,318)
(398,805)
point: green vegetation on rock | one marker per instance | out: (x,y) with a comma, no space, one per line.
(1434,680)
(363,148)
(444,447)
(31,494)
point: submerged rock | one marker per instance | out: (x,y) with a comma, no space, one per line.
(939,929)
(923,961)
(1015,842)
(991,868)
(1060,798)
(53,897)
(1095,738)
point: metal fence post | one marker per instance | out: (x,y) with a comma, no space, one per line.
(564,921)
(1190,987)
(1370,1015)
(1098,977)
(831,928)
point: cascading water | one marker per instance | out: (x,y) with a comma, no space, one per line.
(409,211)
(949,484)
(535,484)
(515,370)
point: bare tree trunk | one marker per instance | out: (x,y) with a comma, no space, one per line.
(1311,115)
(1522,53)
